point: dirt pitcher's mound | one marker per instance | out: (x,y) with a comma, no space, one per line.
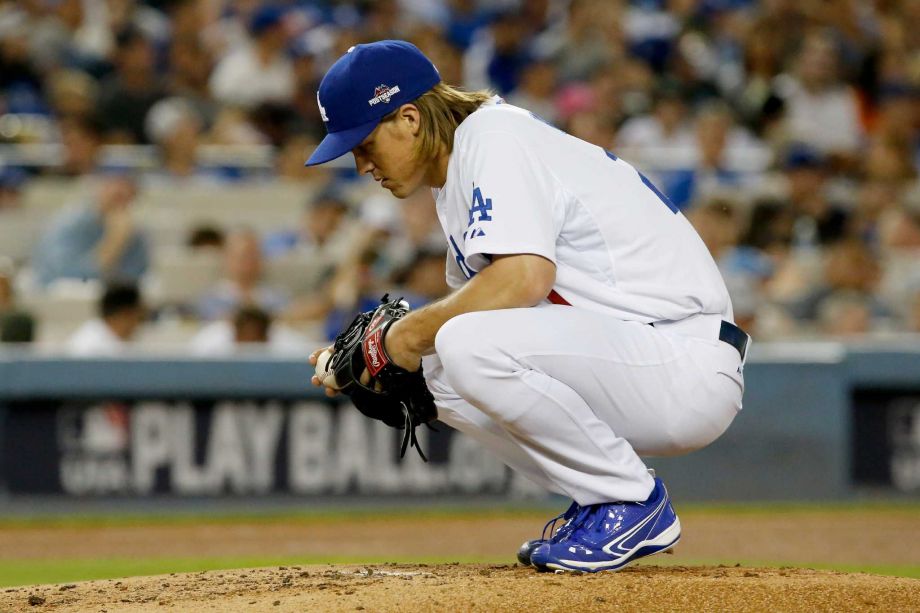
(468,587)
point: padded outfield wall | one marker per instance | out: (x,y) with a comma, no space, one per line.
(821,421)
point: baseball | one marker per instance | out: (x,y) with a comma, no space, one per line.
(326,377)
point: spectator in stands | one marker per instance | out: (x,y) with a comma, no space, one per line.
(708,173)
(243,283)
(323,233)
(498,54)
(665,129)
(187,18)
(382,254)
(174,126)
(18,73)
(305,116)
(465,19)
(232,126)
(190,66)
(16,325)
(400,230)
(422,279)
(876,202)
(755,96)
(589,38)
(356,286)
(72,95)
(289,161)
(592,125)
(251,325)
(121,314)
(718,222)
(260,72)
(745,268)
(818,220)
(509,54)
(898,114)
(249,328)
(890,159)
(849,269)
(536,90)
(770,228)
(126,97)
(821,110)
(95,239)
(447,57)
(81,140)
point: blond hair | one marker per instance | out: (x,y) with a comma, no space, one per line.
(441,109)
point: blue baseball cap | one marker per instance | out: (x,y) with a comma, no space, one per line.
(365,85)
(265,17)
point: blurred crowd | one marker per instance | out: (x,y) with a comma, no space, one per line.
(788,132)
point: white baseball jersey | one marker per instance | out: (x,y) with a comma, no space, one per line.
(518,185)
(571,396)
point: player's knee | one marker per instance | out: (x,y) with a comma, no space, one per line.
(454,341)
(463,352)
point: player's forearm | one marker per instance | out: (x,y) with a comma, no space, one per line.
(509,282)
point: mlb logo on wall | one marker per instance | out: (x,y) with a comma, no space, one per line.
(383,93)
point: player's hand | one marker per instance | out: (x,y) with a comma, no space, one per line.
(314,379)
(399,351)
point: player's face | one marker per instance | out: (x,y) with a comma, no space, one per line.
(388,154)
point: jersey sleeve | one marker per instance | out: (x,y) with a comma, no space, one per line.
(511,199)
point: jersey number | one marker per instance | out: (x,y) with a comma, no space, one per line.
(667,201)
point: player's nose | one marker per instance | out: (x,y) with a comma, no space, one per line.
(363,164)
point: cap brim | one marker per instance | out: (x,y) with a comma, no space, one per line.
(337,144)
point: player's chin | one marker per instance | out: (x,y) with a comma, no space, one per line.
(397,189)
(400,190)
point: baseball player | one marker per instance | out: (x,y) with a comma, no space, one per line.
(588,324)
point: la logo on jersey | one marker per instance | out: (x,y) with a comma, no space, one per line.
(383,93)
(322,111)
(479,211)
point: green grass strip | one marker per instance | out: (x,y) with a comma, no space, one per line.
(386,512)
(307,516)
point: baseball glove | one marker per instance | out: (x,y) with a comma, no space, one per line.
(397,397)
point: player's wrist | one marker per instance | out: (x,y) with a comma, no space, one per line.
(399,347)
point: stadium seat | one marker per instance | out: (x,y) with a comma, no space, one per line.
(179,275)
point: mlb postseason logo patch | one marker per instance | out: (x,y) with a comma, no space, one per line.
(383,93)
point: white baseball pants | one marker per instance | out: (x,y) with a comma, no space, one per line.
(571,397)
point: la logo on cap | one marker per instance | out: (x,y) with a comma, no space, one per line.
(383,93)
(322,111)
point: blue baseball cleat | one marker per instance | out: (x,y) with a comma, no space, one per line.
(526,550)
(610,536)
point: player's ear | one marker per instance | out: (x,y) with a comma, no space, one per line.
(410,115)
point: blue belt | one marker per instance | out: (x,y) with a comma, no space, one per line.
(734,336)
